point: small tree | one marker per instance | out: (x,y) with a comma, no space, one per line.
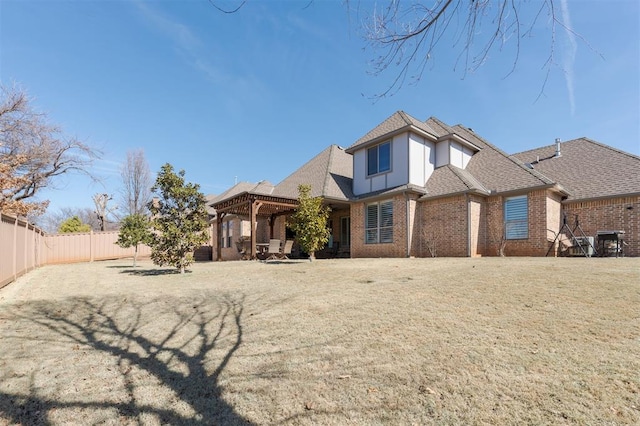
(309,222)
(134,231)
(179,219)
(73,224)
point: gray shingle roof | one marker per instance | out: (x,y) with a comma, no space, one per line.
(440,128)
(496,170)
(263,187)
(588,169)
(329,173)
(398,121)
(490,170)
(451,180)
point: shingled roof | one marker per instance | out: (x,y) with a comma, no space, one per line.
(448,180)
(588,169)
(263,187)
(490,170)
(329,173)
(398,122)
(498,171)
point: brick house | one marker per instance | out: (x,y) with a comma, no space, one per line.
(424,188)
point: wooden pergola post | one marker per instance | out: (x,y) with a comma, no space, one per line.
(272,220)
(253,208)
(219,220)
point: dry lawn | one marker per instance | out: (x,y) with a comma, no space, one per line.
(363,341)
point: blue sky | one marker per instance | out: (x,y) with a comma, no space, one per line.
(255,94)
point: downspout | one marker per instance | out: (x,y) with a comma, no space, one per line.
(407,204)
(466,196)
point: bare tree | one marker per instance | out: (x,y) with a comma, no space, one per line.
(137,182)
(408,33)
(32,153)
(103,211)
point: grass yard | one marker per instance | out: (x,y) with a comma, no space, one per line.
(352,341)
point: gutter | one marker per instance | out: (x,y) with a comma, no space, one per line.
(604,197)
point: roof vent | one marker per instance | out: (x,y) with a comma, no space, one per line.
(558,153)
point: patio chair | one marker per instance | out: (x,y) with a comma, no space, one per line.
(286,251)
(273,252)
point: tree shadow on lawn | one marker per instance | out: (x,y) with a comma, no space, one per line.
(174,349)
(152,272)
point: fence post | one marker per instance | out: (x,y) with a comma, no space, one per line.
(26,249)
(91,246)
(15,248)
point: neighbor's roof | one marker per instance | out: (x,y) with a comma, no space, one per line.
(329,173)
(588,169)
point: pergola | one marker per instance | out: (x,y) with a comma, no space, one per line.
(252,205)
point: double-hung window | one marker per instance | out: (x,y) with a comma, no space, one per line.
(516,218)
(379,159)
(379,223)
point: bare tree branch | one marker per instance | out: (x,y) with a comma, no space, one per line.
(227,11)
(407,34)
(33,152)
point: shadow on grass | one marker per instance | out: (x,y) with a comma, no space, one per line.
(284,261)
(152,272)
(177,348)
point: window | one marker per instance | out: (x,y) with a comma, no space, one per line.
(379,223)
(227,233)
(379,159)
(516,218)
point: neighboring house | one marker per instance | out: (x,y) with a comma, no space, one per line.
(423,188)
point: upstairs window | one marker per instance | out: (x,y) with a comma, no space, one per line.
(379,159)
(379,223)
(516,218)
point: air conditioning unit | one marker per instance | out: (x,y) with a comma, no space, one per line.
(583,245)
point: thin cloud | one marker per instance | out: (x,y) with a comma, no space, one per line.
(569,49)
(188,45)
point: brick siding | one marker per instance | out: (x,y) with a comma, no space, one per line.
(443,227)
(398,248)
(611,214)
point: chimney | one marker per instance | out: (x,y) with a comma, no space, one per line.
(558,153)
